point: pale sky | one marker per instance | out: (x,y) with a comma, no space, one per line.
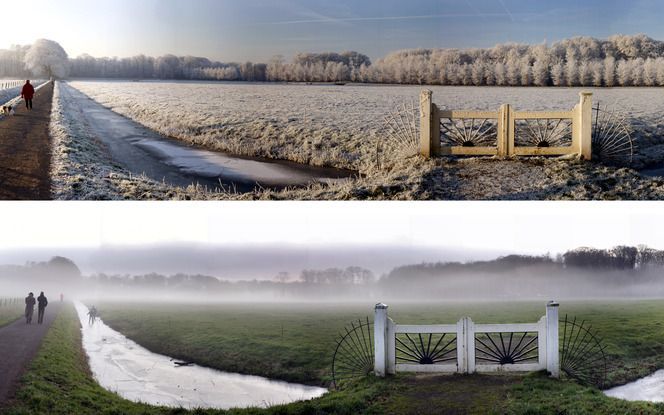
(258,240)
(535,227)
(238,30)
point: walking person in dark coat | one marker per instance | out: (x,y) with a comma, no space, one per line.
(27,93)
(43,302)
(29,307)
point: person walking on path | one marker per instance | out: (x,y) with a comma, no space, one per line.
(43,302)
(27,93)
(29,307)
(92,313)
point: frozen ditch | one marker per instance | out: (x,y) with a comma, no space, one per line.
(144,151)
(650,388)
(122,366)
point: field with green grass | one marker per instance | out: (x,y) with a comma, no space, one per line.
(11,309)
(300,339)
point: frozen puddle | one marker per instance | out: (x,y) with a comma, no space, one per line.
(650,388)
(122,366)
(144,151)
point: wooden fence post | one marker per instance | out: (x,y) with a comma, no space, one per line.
(504,130)
(552,356)
(585,124)
(426,116)
(380,334)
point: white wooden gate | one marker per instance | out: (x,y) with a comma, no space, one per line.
(466,347)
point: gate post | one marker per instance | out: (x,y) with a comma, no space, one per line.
(585,124)
(462,366)
(391,347)
(470,345)
(426,116)
(552,353)
(380,334)
(504,126)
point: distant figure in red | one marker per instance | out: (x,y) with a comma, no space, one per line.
(29,307)
(43,302)
(27,93)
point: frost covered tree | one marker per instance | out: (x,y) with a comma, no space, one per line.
(624,73)
(47,58)
(596,69)
(558,74)
(610,71)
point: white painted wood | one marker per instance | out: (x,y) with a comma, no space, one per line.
(541,343)
(425,328)
(552,352)
(380,332)
(435,130)
(503,130)
(585,124)
(470,115)
(462,347)
(401,367)
(426,103)
(521,367)
(470,345)
(543,115)
(466,331)
(391,347)
(507,328)
(468,151)
(581,117)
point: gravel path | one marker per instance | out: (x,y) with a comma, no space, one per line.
(25,150)
(19,343)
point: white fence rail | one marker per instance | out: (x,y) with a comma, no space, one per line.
(466,347)
(5,84)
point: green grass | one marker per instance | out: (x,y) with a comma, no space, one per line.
(59,382)
(10,311)
(300,339)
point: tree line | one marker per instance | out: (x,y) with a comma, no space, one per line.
(619,60)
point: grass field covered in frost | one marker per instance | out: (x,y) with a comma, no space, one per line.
(340,126)
(326,124)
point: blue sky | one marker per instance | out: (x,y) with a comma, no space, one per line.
(237,30)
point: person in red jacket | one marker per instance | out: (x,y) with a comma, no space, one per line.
(27,93)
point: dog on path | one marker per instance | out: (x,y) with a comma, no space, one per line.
(7,110)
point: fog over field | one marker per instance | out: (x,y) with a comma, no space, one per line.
(241,262)
(273,252)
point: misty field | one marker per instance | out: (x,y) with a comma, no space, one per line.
(10,310)
(299,340)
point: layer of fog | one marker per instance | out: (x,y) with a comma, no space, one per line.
(621,272)
(261,262)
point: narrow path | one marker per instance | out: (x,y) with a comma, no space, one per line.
(19,343)
(25,152)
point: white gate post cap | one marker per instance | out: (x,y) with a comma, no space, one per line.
(381,306)
(586,93)
(552,304)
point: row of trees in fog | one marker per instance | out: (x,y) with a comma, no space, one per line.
(581,61)
(579,272)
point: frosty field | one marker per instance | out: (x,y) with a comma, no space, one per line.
(322,124)
(340,126)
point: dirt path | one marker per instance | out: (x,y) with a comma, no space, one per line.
(25,150)
(19,343)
